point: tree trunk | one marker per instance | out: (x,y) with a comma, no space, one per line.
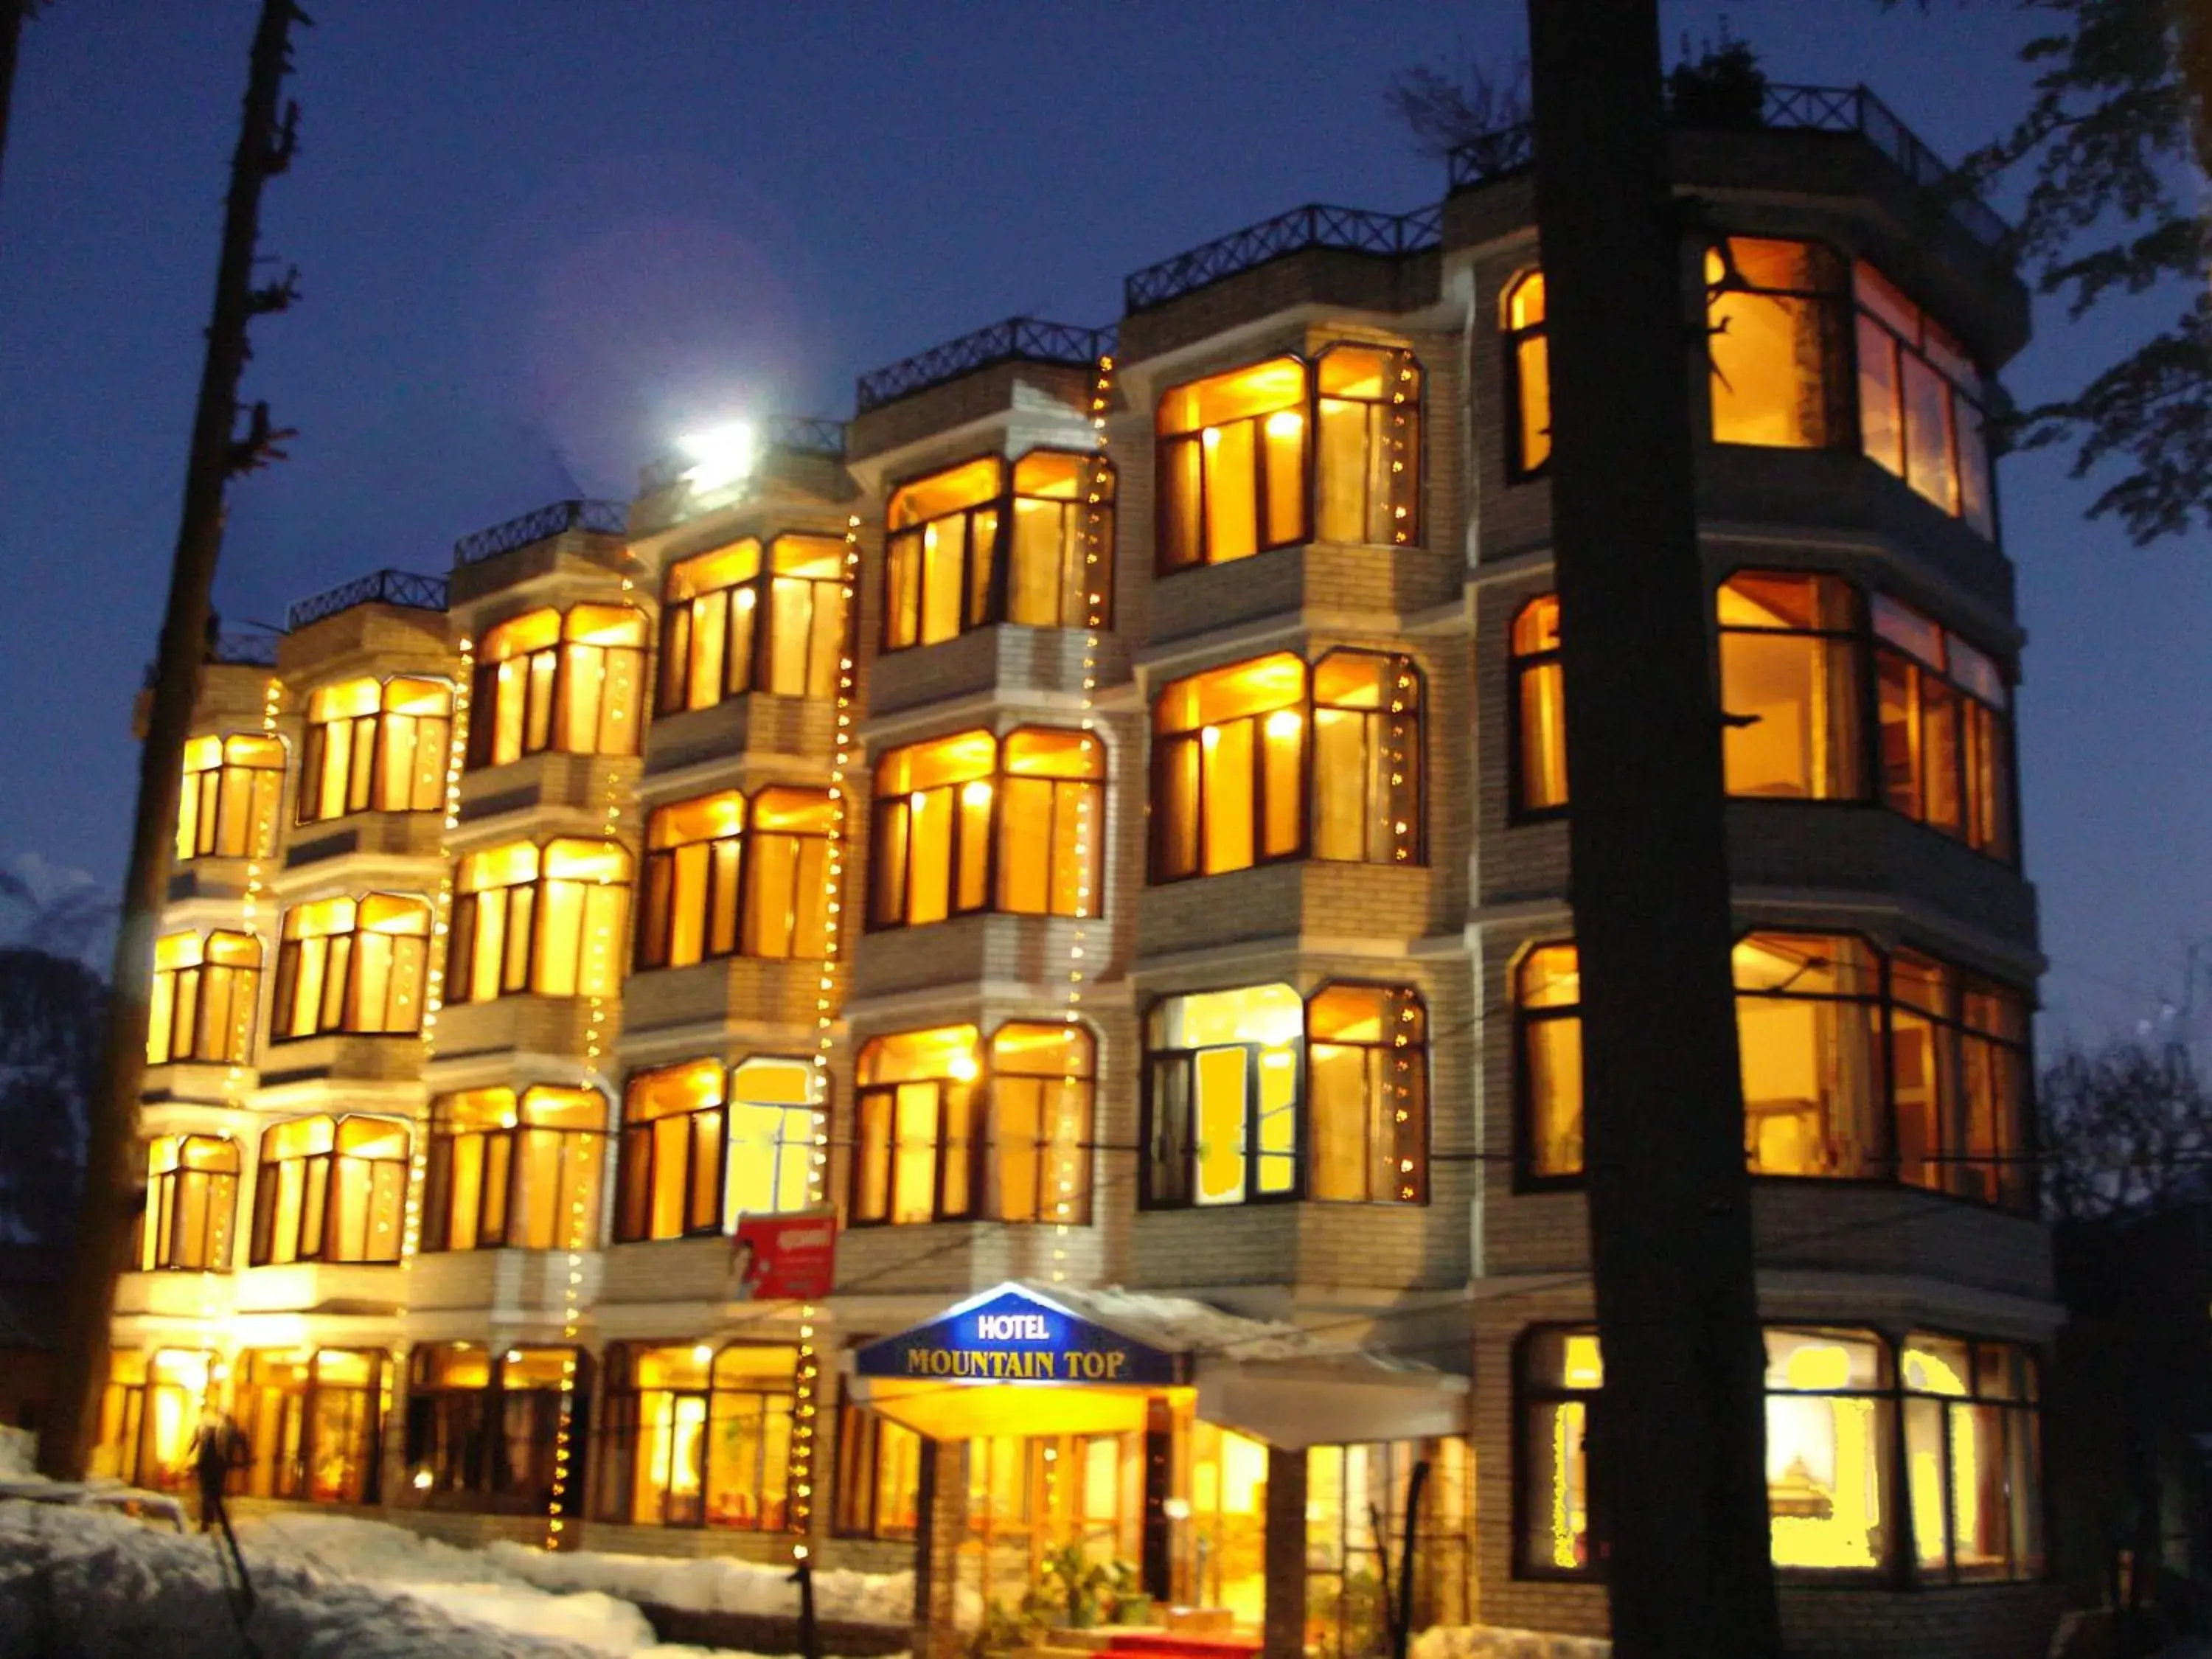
(1677,1438)
(113,1177)
(12,13)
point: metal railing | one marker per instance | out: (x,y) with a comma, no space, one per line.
(1316,225)
(1018,339)
(403,587)
(1505,151)
(801,434)
(241,651)
(608,518)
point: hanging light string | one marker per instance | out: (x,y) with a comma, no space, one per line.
(1403,488)
(805,1407)
(261,841)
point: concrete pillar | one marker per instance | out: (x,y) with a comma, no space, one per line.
(940,1524)
(1283,1635)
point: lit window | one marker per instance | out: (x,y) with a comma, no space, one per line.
(1061,572)
(205,995)
(1038,1166)
(697,1438)
(548,921)
(550,680)
(150,1411)
(1789,684)
(1775,319)
(713,644)
(1232,464)
(352,965)
(1367,758)
(1973,1457)
(1547,1018)
(674,1125)
(1527,378)
(941,807)
(375,748)
(1809,1024)
(228,809)
(329,1190)
(1253,1094)
(1539,710)
(1561,1372)
(919,1100)
(878,1474)
(774,1120)
(1367,404)
(1920,402)
(483,1428)
(311,1420)
(716,885)
(1958,1058)
(191,1196)
(507,1176)
(942,546)
(1945,715)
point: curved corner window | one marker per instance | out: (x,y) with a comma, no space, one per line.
(549,921)
(191,1199)
(1527,378)
(375,746)
(1776,323)
(554,680)
(1946,729)
(508,1175)
(330,1190)
(733,621)
(1367,414)
(1920,402)
(232,786)
(206,995)
(353,965)
(727,875)
(1790,686)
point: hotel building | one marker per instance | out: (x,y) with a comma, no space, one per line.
(1095,821)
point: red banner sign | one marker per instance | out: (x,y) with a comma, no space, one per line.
(784,1258)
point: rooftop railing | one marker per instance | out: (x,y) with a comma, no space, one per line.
(243,650)
(402,587)
(801,434)
(1316,225)
(1506,151)
(1018,339)
(607,517)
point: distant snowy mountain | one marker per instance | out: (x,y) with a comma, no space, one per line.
(65,912)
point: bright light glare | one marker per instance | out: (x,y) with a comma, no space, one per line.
(719,456)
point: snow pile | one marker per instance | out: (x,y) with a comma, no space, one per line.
(19,1454)
(714,1583)
(1496,1641)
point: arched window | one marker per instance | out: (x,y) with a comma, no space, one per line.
(329,1190)
(941,808)
(508,1175)
(231,790)
(1527,378)
(1254,1094)
(1789,647)
(191,1197)
(375,748)
(352,965)
(714,643)
(551,680)
(206,994)
(674,1135)
(1920,402)
(717,885)
(1775,315)
(949,1131)
(1230,760)
(313,1420)
(1367,403)
(694,1438)
(1539,752)
(547,920)
(952,564)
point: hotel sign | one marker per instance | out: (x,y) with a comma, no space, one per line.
(1010,1335)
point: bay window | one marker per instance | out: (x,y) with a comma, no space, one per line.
(675,1123)
(329,1190)
(728,876)
(878,1474)
(205,995)
(509,1174)
(1946,729)
(774,1117)
(191,1199)
(228,809)
(972,822)
(354,965)
(373,747)
(484,1427)
(1920,402)
(1791,687)
(1061,573)
(1037,1152)
(1527,378)
(1255,1094)
(1857,1065)
(714,641)
(312,1421)
(1973,1459)
(1237,456)
(694,1438)
(1775,322)
(1538,739)
(553,680)
(547,920)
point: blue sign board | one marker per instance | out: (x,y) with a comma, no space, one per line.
(1010,1335)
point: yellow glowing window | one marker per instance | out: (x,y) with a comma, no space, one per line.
(1920,402)
(1368,413)
(1973,1459)
(940,550)
(1945,729)
(933,812)
(1539,754)
(1808,1025)
(522,1176)
(191,1198)
(1827,1430)
(709,607)
(1060,569)
(373,747)
(1039,1163)
(1527,378)
(918,1101)
(773,1124)
(550,921)
(1547,1017)
(205,996)
(717,885)
(569,682)
(330,1190)
(1367,758)
(1052,823)
(1226,1079)
(1229,760)
(1774,314)
(1367,1071)
(1958,1067)
(344,965)
(310,1420)
(1233,452)
(1789,652)
(674,1125)
(1557,1369)
(228,807)
(697,1438)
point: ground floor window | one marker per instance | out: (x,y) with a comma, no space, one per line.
(1356,1541)
(484,1426)
(878,1474)
(1927,1451)
(313,1422)
(694,1438)
(148,1412)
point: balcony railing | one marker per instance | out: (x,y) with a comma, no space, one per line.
(402,587)
(1495,155)
(607,517)
(243,650)
(1317,225)
(801,434)
(1018,339)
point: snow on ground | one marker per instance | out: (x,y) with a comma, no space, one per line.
(18,1449)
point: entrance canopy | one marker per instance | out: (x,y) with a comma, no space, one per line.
(1017,1360)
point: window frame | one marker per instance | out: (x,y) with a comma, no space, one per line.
(467,909)
(438,1192)
(283,1026)
(672,675)
(1863,316)
(656,915)
(616,1436)
(478,1480)
(483,744)
(191,981)
(1511,339)
(1836,307)
(1520,667)
(290,1478)
(314,753)
(1857,638)
(2032,1406)
(162,1216)
(637,1160)
(1876,645)
(205,792)
(858,1468)
(319,1180)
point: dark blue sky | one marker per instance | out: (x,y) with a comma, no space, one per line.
(538,239)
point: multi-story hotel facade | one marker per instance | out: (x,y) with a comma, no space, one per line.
(1094,822)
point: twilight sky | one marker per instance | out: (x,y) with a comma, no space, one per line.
(539,239)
